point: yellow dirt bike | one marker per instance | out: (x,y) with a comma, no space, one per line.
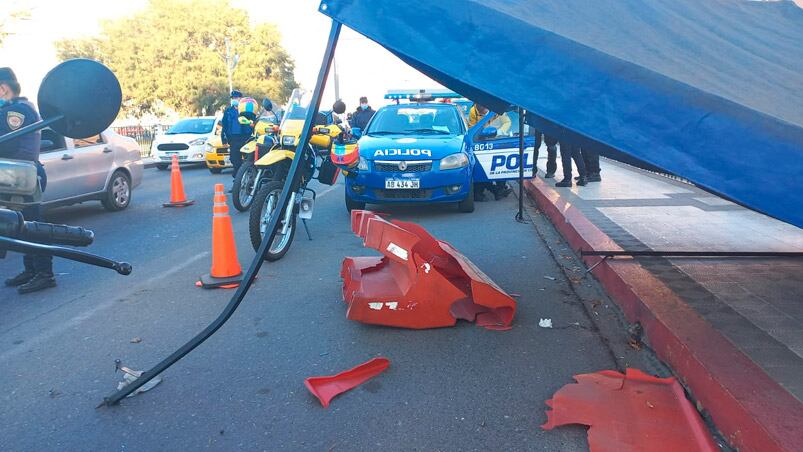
(248,177)
(317,164)
(252,176)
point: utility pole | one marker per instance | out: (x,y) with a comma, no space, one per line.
(231,61)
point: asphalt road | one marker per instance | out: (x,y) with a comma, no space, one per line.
(462,388)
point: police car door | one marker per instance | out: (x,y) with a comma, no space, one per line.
(497,153)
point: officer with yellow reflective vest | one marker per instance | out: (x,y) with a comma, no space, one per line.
(234,133)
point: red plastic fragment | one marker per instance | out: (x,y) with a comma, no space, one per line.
(630,412)
(327,387)
(419,282)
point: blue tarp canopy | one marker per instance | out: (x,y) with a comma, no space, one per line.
(709,90)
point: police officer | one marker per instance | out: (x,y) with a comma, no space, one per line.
(362,115)
(233,132)
(15,113)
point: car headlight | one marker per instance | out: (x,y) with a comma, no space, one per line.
(288,140)
(454,161)
(197,142)
(363,165)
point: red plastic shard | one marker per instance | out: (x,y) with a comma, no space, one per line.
(327,387)
(630,412)
(419,282)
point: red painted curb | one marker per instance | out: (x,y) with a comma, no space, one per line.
(752,410)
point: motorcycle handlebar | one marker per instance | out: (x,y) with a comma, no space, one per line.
(36,231)
(13,225)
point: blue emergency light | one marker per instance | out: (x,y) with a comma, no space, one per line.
(421,95)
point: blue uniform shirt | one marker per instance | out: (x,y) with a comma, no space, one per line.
(232,129)
(14,115)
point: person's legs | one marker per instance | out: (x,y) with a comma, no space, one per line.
(577,156)
(479,190)
(566,162)
(591,158)
(501,190)
(551,156)
(38,273)
(234,154)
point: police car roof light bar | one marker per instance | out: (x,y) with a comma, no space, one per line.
(397,94)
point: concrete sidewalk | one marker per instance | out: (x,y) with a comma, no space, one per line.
(732,329)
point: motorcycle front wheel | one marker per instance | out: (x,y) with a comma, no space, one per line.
(243,186)
(264,206)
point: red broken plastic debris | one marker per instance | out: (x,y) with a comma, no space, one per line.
(630,412)
(327,387)
(419,282)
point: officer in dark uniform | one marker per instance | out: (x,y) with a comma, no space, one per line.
(17,112)
(233,132)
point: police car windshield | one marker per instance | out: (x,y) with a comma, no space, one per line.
(195,125)
(425,119)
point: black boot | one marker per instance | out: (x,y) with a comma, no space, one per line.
(566,182)
(594,177)
(549,175)
(20,279)
(582,181)
(39,282)
(502,191)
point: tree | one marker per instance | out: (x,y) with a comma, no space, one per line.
(168,56)
(11,17)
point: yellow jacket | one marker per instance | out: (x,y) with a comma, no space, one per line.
(501,122)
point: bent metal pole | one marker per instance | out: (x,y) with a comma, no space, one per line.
(290,186)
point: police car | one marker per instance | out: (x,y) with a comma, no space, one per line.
(413,153)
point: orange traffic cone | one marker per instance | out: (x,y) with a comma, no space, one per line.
(226,271)
(177,196)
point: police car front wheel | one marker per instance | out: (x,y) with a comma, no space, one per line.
(467,205)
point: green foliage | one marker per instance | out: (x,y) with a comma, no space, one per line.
(171,56)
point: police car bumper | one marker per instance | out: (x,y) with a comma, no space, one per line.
(433,187)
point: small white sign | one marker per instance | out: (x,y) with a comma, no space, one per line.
(398,251)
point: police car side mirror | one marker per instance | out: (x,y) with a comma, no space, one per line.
(488,133)
(356,132)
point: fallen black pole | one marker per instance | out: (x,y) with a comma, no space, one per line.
(290,185)
(665,253)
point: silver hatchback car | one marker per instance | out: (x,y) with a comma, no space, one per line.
(105,167)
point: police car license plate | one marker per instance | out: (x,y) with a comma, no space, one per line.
(227,160)
(394,184)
